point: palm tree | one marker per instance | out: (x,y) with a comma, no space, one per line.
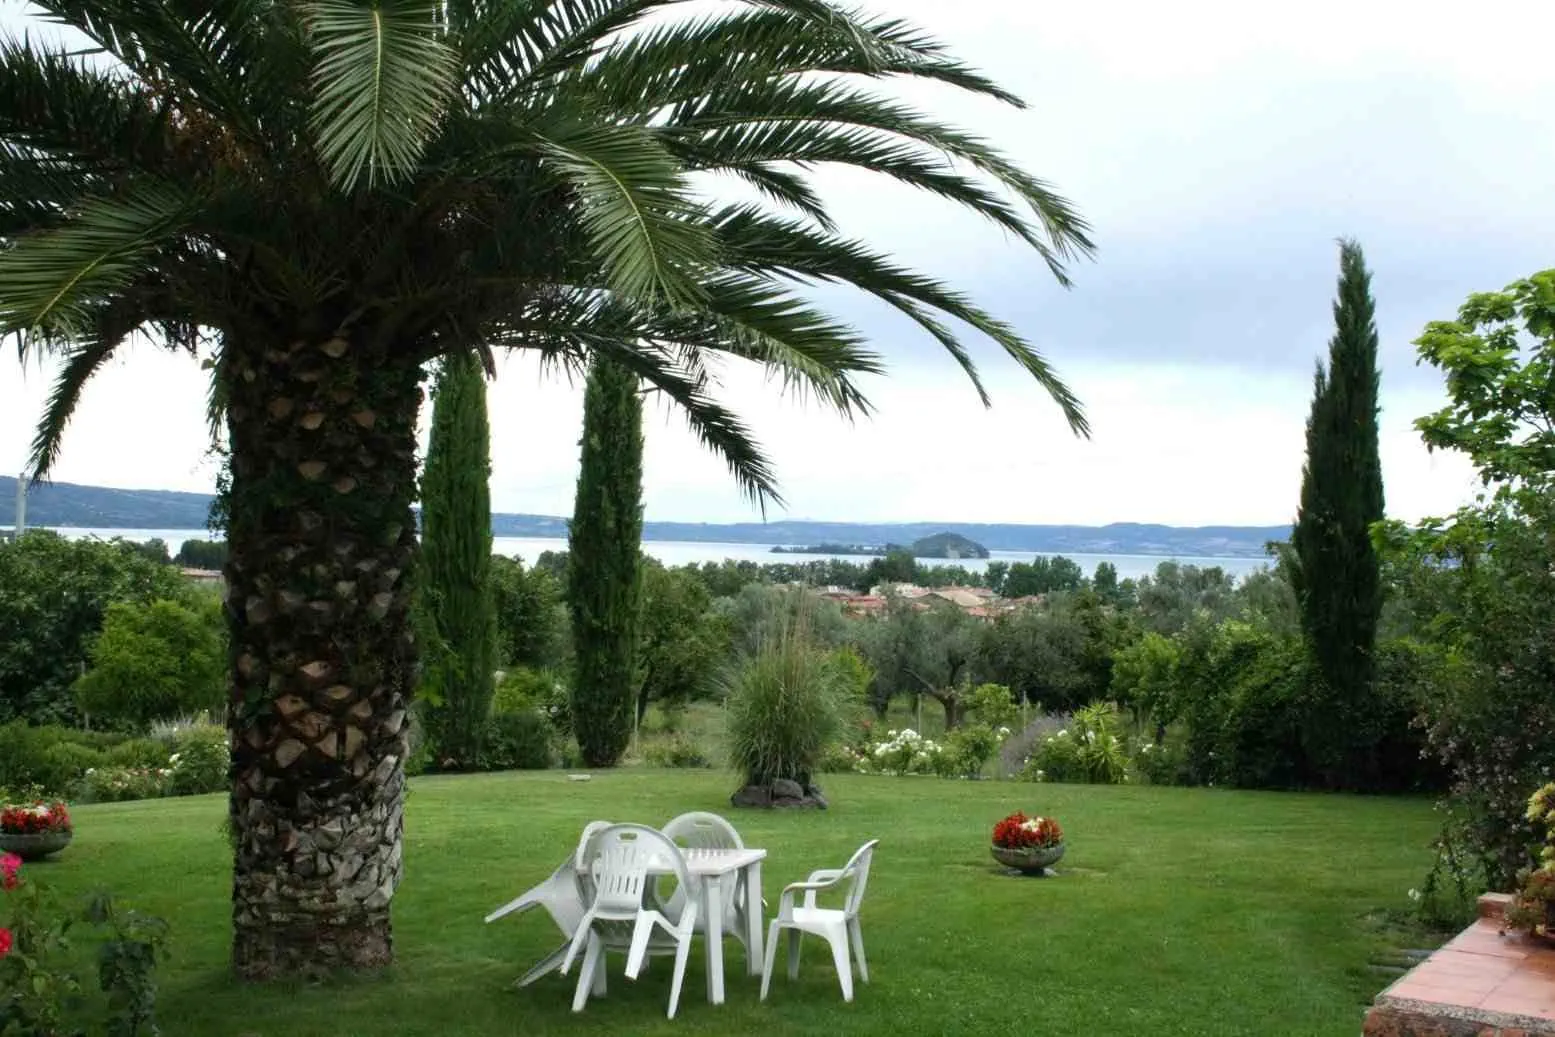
(323,195)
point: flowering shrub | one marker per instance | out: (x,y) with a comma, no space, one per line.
(964,752)
(1089,751)
(117,784)
(34,819)
(1530,910)
(201,763)
(1164,762)
(904,752)
(1019,832)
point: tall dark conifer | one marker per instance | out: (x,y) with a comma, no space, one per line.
(459,617)
(1336,575)
(604,564)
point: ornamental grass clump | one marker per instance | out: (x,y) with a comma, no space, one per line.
(785,705)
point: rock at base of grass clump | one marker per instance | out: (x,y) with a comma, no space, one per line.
(780,793)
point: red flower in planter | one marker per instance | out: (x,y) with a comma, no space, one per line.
(1019,832)
(35,819)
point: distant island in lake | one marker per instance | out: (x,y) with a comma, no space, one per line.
(940,545)
(98,507)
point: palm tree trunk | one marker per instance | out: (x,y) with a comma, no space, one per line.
(321,540)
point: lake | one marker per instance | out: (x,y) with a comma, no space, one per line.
(678,552)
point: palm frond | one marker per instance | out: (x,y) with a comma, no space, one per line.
(678,62)
(80,362)
(50,278)
(752,240)
(52,102)
(715,426)
(806,122)
(803,346)
(782,186)
(508,46)
(572,328)
(205,52)
(382,79)
(634,204)
(36,188)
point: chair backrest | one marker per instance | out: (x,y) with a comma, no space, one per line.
(856,871)
(620,859)
(581,859)
(700,830)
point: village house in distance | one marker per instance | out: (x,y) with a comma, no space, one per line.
(974,601)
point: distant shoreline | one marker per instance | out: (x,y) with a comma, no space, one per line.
(92,507)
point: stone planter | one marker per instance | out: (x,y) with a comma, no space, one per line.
(34,847)
(1032,860)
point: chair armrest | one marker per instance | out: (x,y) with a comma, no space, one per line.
(518,905)
(826,878)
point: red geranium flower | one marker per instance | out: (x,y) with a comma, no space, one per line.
(5,942)
(10,864)
(35,819)
(1017,832)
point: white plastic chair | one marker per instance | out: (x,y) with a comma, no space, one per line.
(619,859)
(699,830)
(839,927)
(562,897)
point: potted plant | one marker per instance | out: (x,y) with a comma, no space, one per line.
(1532,909)
(1030,845)
(34,831)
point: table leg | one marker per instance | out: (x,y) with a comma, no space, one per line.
(712,904)
(753,929)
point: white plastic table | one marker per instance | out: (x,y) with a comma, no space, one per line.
(711,869)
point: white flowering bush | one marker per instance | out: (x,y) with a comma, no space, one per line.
(201,763)
(197,763)
(902,752)
(1090,751)
(1164,762)
(116,784)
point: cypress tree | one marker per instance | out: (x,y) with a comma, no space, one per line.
(1336,576)
(604,574)
(458,614)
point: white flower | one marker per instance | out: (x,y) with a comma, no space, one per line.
(1064,733)
(1004,732)
(1416,895)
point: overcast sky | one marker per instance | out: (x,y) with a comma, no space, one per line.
(1218,149)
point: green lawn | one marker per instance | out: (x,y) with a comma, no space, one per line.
(1178,911)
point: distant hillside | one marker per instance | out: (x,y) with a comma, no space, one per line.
(66,504)
(99,507)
